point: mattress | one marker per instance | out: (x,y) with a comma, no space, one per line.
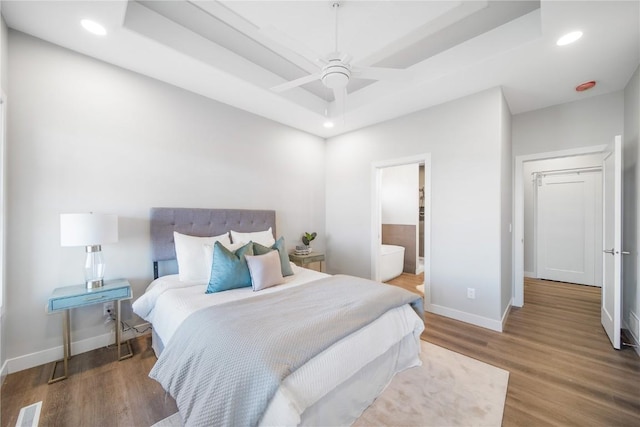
(386,346)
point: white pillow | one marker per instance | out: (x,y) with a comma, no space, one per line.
(265,270)
(192,264)
(208,253)
(265,238)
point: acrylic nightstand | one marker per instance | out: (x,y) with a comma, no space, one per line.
(304,260)
(69,297)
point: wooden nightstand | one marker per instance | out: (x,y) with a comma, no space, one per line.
(69,297)
(305,260)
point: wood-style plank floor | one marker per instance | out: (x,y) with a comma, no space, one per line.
(563,371)
(98,392)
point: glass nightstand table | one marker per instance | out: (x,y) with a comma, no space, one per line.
(304,260)
(69,297)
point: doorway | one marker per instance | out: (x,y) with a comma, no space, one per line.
(611,306)
(521,162)
(421,202)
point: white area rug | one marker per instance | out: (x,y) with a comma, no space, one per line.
(449,389)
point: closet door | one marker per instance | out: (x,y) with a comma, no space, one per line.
(568,212)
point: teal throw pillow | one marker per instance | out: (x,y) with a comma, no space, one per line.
(259,249)
(229,269)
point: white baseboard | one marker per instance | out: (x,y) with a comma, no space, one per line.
(3,372)
(505,315)
(56,353)
(474,319)
(530,274)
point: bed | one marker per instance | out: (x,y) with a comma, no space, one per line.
(314,350)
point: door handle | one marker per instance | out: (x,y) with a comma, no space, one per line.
(612,252)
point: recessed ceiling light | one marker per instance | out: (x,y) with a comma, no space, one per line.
(569,38)
(93,27)
(328,124)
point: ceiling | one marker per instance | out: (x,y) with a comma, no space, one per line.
(237,51)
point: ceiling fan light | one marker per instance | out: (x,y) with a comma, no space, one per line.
(335,80)
(336,74)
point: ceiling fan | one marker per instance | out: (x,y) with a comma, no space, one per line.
(337,71)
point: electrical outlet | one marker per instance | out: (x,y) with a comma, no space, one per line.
(471,293)
(107,308)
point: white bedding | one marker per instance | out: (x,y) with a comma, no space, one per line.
(167,303)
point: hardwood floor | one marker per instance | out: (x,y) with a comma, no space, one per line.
(563,371)
(409,282)
(99,391)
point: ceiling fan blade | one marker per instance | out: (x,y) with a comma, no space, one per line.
(340,96)
(376,73)
(297,82)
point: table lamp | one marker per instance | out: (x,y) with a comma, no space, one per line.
(89,230)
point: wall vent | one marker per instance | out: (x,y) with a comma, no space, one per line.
(29,415)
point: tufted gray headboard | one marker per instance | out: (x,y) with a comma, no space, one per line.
(201,222)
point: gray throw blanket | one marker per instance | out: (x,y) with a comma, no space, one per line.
(224,363)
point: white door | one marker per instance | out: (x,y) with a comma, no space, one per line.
(612,237)
(569,209)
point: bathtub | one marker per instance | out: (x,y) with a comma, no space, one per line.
(391,262)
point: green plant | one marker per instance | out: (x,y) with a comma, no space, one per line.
(308,237)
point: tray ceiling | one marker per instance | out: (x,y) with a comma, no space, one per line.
(236,51)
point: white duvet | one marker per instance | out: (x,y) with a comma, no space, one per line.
(167,302)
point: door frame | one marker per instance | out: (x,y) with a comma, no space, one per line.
(518,211)
(376,215)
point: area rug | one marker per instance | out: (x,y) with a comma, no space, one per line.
(449,389)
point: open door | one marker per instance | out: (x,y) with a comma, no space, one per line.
(611,311)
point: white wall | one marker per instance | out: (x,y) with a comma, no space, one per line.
(4,78)
(584,123)
(506,210)
(88,136)
(399,195)
(631,184)
(464,139)
(529,206)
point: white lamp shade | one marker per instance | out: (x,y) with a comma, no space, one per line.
(88,229)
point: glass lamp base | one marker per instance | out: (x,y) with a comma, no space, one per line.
(96,283)
(94,267)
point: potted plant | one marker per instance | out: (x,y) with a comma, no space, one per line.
(307,238)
